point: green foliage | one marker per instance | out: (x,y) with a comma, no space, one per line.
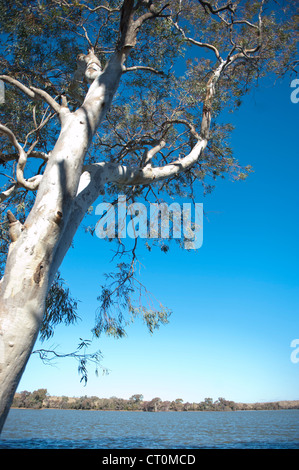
(118,296)
(152,318)
(41,399)
(60,308)
(34,400)
(165,99)
(83,357)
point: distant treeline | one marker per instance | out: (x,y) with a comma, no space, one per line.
(41,399)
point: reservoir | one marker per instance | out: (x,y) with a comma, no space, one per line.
(88,429)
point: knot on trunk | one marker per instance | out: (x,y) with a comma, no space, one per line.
(15,226)
(58,217)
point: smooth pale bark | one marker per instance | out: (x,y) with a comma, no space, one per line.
(35,255)
(38,248)
(64,194)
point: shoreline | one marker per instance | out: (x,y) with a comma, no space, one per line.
(41,399)
(44,402)
(158,411)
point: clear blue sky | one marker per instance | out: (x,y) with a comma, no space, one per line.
(235,301)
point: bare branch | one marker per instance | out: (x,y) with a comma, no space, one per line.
(33,92)
(19,85)
(37,129)
(229,6)
(5,130)
(129,175)
(31,183)
(186,123)
(99,7)
(207,105)
(130,27)
(251,25)
(47,98)
(142,67)
(86,36)
(38,154)
(152,13)
(197,43)
(8,192)
(252,51)
(149,154)
(244,52)
(30,154)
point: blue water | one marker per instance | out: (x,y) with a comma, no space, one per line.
(78,429)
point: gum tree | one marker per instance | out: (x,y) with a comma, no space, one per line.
(107,98)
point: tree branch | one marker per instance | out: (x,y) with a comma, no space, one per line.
(34,154)
(229,6)
(107,172)
(259,43)
(130,27)
(32,183)
(82,357)
(186,123)
(18,85)
(149,154)
(207,105)
(99,7)
(47,98)
(128,175)
(142,67)
(8,192)
(34,93)
(197,43)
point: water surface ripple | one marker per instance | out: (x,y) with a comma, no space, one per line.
(82,429)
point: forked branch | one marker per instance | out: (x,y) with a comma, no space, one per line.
(215,10)
(34,93)
(33,182)
(197,43)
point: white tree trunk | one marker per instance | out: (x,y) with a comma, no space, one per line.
(65,192)
(37,251)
